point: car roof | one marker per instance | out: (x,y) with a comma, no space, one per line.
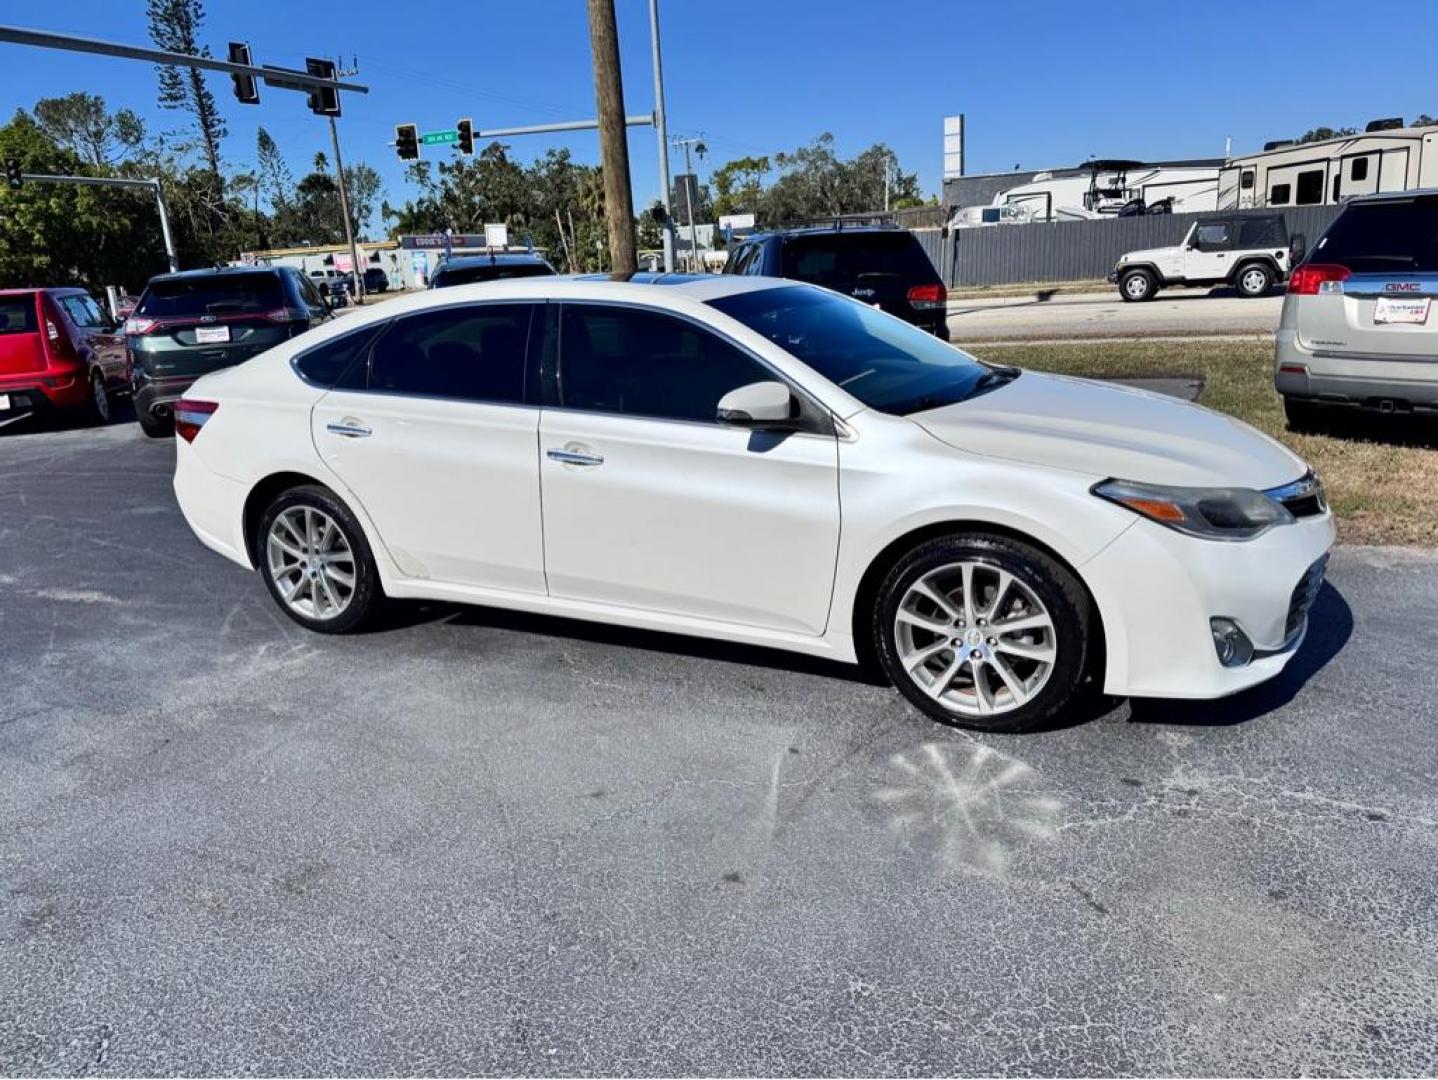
(499,258)
(821,230)
(31,289)
(1393,196)
(217,271)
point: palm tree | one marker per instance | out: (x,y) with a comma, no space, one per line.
(591,195)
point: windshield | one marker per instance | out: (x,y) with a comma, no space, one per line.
(465,275)
(216,294)
(1383,237)
(884,362)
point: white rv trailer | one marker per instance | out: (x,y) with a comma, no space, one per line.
(1100,190)
(1325,173)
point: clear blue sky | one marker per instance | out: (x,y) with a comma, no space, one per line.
(1042,83)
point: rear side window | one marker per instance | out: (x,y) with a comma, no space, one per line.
(339,362)
(1212,237)
(1262,232)
(1359,169)
(475,353)
(212,294)
(1379,237)
(1282,194)
(17,314)
(841,257)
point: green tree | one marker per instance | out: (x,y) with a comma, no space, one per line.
(80,123)
(739,185)
(174,26)
(1424,120)
(1319,134)
(274,174)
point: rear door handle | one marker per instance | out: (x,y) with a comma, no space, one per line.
(574,457)
(349,429)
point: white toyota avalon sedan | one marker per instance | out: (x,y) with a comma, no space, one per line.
(766,462)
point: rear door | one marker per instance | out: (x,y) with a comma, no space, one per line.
(878,268)
(94,330)
(435,431)
(1385,309)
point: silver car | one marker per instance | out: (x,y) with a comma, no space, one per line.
(1358,328)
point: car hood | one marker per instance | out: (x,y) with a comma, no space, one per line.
(1143,255)
(1105,431)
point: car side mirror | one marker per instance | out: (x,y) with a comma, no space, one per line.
(762,406)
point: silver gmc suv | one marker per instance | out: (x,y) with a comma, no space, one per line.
(1358,327)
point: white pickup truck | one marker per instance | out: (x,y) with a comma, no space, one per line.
(1248,251)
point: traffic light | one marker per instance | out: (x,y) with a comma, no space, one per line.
(658,214)
(466,136)
(406,141)
(246,92)
(324,101)
(12,173)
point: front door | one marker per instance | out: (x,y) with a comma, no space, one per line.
(434,435)
(1209,254)
(650,503)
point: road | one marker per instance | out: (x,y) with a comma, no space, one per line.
(472,842)
(1174,313)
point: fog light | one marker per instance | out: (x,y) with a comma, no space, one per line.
(1231,643)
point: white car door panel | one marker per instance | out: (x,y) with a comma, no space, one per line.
(452,485)
(704,520)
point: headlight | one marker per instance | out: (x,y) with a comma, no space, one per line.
(1210,513)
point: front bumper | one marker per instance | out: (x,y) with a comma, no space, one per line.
(1157,590)
(1365,382)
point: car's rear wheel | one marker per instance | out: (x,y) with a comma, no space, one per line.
(315,561)
(983,631)
(100,410)
(1254,279)
(1137,285)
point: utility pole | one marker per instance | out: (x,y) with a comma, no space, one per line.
(663,132)
(355,266)
(613,141)
(689,194)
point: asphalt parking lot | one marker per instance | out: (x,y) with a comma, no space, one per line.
(473,842)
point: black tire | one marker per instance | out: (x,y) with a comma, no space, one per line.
(1052,584)
(1253,279)
(367,595)
(1137,285)
(1305,417)
(157,427)
(101,406)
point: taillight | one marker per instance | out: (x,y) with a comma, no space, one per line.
(279,315)
(51,332)
(138,325)
(928,296)
(191,415)
(1309,279)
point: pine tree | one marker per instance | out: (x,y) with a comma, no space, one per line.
(173,26)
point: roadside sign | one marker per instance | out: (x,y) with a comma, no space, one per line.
(439,138)
(343,262)
(496,236)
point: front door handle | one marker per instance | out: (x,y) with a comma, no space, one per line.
(349,429)
(574,457)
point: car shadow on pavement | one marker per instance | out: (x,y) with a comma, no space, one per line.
(1330,625)
(399,615)
(1419,431)
(122,412)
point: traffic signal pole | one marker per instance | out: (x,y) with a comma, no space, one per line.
(153,186)
(662,130)
(355,267)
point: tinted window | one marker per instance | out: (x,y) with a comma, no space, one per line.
(1262,232)
(644,363)
(1371,238)
(1310,187)
(835,257)
(212,294)
(1281,194)
(308,291)
(1245,179)
(884,362)
(1359,171)
(474,352)
(17,314)
(466,275)
(339,362)
(83,311)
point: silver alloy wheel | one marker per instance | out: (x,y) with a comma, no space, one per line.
(100,396)
(1254,281)
(311,563)
(1136,285)
(975,638)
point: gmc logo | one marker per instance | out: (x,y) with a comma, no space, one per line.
(1402,286)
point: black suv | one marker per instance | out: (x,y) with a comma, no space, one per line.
(880,265)
(468,269)
(198,321)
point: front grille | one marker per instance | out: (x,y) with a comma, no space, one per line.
(1302,498)
(1305,593)
(1304,505)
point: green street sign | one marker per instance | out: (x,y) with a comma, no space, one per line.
(438,138)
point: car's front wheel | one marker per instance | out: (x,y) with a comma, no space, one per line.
(983,631)
(316,562)
(1137,285)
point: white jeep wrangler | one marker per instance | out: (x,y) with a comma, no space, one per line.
(1248,251)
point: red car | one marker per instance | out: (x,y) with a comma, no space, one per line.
(58,352)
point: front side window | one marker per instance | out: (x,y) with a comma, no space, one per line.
(882,361)
(1211,237)
(647,363)
(83,311)
(475,353)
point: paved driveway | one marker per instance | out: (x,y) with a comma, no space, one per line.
(474,842)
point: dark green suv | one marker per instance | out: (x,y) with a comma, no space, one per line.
(198,321)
